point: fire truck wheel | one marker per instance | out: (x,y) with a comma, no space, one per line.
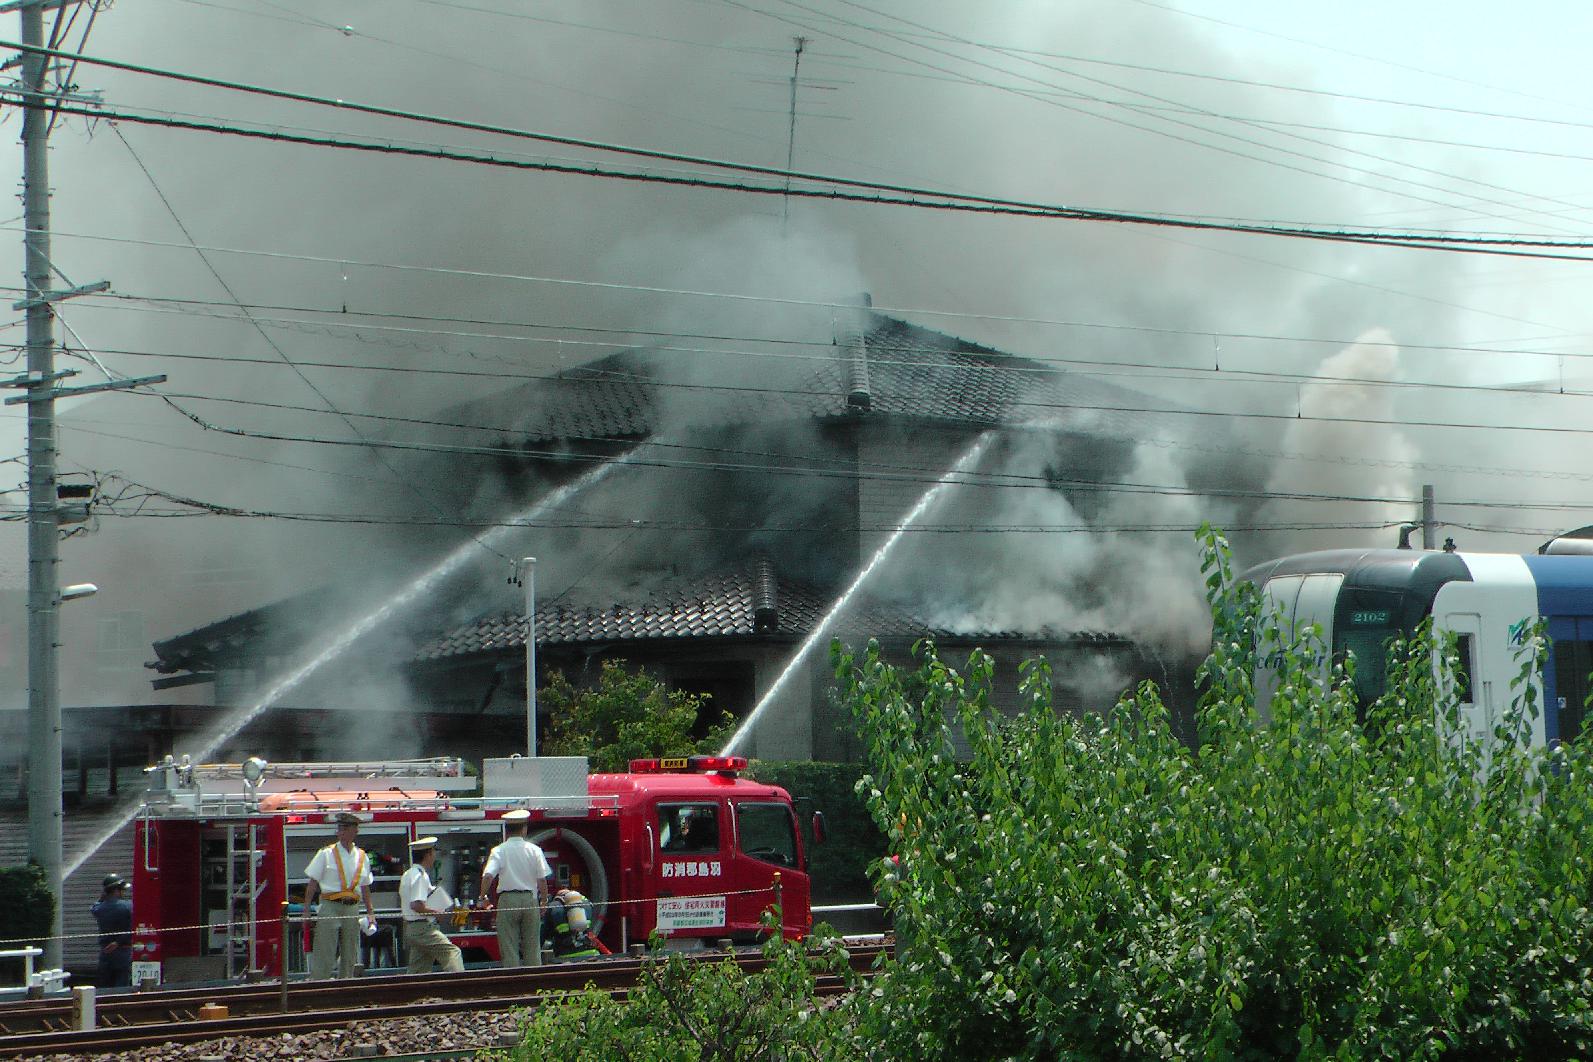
(598,893)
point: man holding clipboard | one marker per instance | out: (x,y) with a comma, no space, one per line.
(424,943)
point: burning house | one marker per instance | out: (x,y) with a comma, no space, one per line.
(734,510)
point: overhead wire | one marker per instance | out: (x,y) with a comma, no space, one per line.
(1160,132)
(1184,12)
(1164,100)
(404,482)
(1218,334)
(889,194)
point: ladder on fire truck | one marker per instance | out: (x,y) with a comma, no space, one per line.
(239,867)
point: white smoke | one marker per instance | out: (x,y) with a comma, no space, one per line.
(1350,420)
(1100,571)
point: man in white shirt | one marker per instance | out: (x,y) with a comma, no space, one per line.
(424,943)
(522,873)
(340,874)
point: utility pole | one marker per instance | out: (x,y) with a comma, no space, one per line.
(531,657)
(1429,518)
(44,693)
(44,511)
(525,574)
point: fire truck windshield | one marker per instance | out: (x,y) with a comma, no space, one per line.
(767,833)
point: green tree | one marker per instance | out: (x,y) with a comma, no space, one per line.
(627,715)
(1315,887)
(27,910)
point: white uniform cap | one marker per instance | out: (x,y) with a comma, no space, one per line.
(519,815)
(420,844)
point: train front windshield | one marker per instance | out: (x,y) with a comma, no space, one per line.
(1365,624)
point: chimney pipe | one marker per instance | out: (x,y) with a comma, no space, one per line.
(853,342)
(765,602)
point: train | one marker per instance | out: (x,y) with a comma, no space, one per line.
(683,847)
(1491,602)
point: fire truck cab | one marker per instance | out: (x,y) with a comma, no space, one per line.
(682,847)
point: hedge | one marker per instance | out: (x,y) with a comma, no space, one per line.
(26,913)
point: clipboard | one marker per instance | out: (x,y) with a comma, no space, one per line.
(439,900)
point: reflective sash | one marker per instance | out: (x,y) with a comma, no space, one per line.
(345,893)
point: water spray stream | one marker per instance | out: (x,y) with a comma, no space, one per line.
(953,475)
(421,584)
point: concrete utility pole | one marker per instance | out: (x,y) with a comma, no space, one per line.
(44,694)
(44,511)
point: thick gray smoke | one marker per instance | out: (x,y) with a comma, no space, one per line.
(985,120)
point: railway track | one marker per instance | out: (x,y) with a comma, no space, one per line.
(154,1018)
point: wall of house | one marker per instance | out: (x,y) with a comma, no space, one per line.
(882,501)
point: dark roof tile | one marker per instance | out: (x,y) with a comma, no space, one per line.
(716,605)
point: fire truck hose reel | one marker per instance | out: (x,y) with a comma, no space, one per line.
(594,868)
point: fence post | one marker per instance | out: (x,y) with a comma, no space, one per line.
(83,1008)
(282,955)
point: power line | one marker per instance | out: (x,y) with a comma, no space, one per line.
(1163,443)
(325,399)
(1202,111)
(945,359)
(1343,51)
(1005,478)
(601,285)
(890,194)
(781,341)
(953,202)
(1040,98)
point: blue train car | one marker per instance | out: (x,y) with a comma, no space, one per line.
(1362,599)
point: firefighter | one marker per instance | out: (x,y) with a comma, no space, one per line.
(569,923)
(424,943)
(114,916)
(341,874)
(522,872)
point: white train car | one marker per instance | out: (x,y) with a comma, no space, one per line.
(1362,599)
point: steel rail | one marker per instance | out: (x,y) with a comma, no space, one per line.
(130,1013)
(270,1025)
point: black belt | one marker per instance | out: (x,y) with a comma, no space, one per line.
(346,903)
(511,892)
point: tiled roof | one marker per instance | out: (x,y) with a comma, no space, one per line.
(246,630)
(719,605)
(908,370)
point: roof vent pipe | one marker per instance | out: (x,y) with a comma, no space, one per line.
(765,602)
(853,342)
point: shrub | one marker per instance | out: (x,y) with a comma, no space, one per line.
(27,911)
(1315,887)
(685,1010)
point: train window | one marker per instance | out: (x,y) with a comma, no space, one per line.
(688,827)
(1370,647)
(1573,685)
(1465,648)
(767,833)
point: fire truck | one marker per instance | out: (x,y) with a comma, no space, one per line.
(684,847)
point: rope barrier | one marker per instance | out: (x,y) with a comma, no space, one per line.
(392,913)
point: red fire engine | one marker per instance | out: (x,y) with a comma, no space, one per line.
(684,847)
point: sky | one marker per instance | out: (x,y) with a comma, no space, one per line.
(438,275)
